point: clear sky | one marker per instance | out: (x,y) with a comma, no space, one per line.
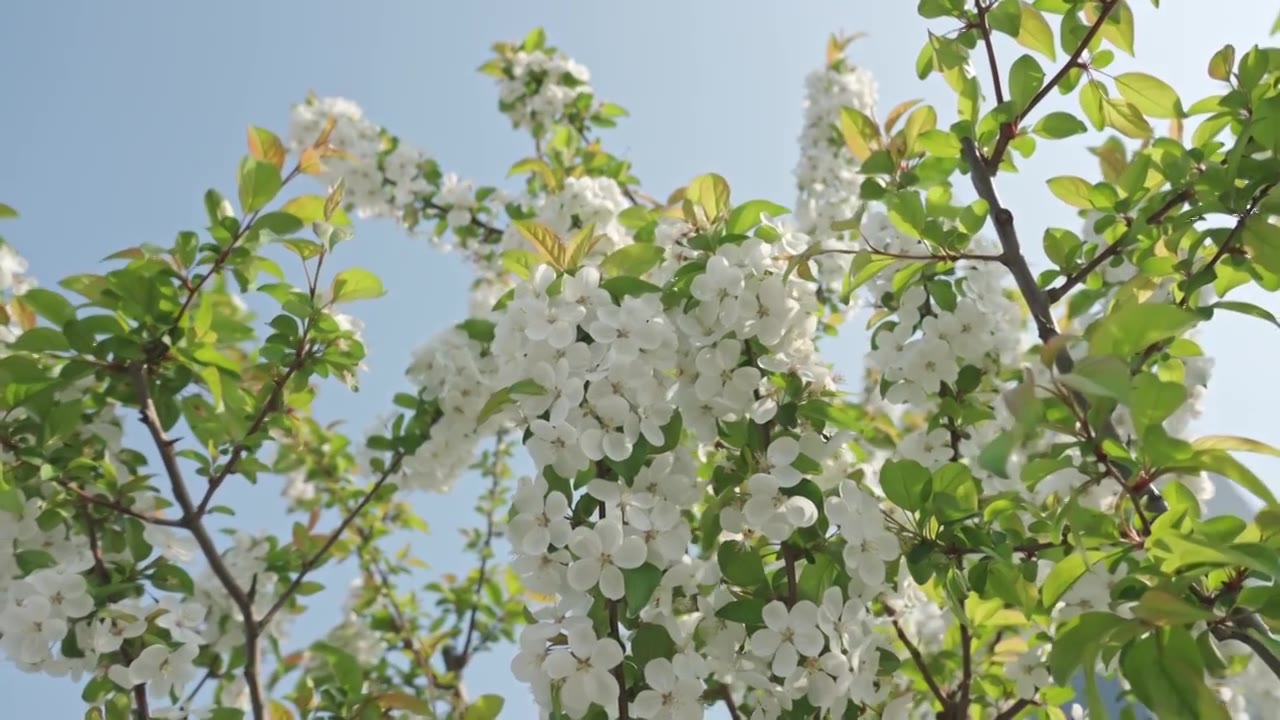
(117,116)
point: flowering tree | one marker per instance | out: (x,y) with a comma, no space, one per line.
(1011,502)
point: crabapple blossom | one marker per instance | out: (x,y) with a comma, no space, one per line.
(603,553)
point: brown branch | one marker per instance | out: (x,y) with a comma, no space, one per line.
(1068,283)
(789,560)
(918,659)
(141,706)
(619,672)
(193,523)
(1012,711)
(1009,129)
(399,619)
(193,289)
(1041,314)
(985,29)
(1233,236)
(121,507)
(486,549)
(272,404)
(1236,231)
(961,710)
(732,706)
(316,558)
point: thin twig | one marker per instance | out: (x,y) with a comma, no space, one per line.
(140,704)
(120,507)
(985,29)
(1236,231)
(193,523)
(619,672)
(789,559)
(1008,131)
(1012,711)
(729,703)
(918,659)
(318,556)
(222,257)
(966,679)
(272,404)
(486,548)
(1041,314)
(1055,294)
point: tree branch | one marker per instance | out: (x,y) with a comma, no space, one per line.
(140,704)
(732,706)
(619,672)
(316,558)
(985,29)
(193,523)
(1010,129)
(486,547)
(1041,314)
(918,659)
(966,679)
(272,404)
(120,507)
(1068,283)
(789,559)
(1012,711)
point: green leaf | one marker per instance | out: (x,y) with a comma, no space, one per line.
(1262,239)
(1152,400)
(747,215)
(639,584)
(711,192)
(545,240)
(404,701)
(1058,125)
(259,183)
(1034,32)
(632,260)
(505,396)
(172,578)
(748,611)
(1222,63)
(651,641)
(1232,442)
(1162,607)
(1065,574)
(49,305)
(486,707)
(1078,642)
(1026,77)
(1180,551)
(1091,102)
(922,120)
(7,212)
(1153,96)
(859,132)
(1071,190)
(955,493)
(41,340)
(906,483)
(740,564)
(264,145)
(1245,308)
(311,208)
(1127,118)
(1221,463)
(1134,326)
(356,284)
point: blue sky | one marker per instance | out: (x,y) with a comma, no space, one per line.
(117,117)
